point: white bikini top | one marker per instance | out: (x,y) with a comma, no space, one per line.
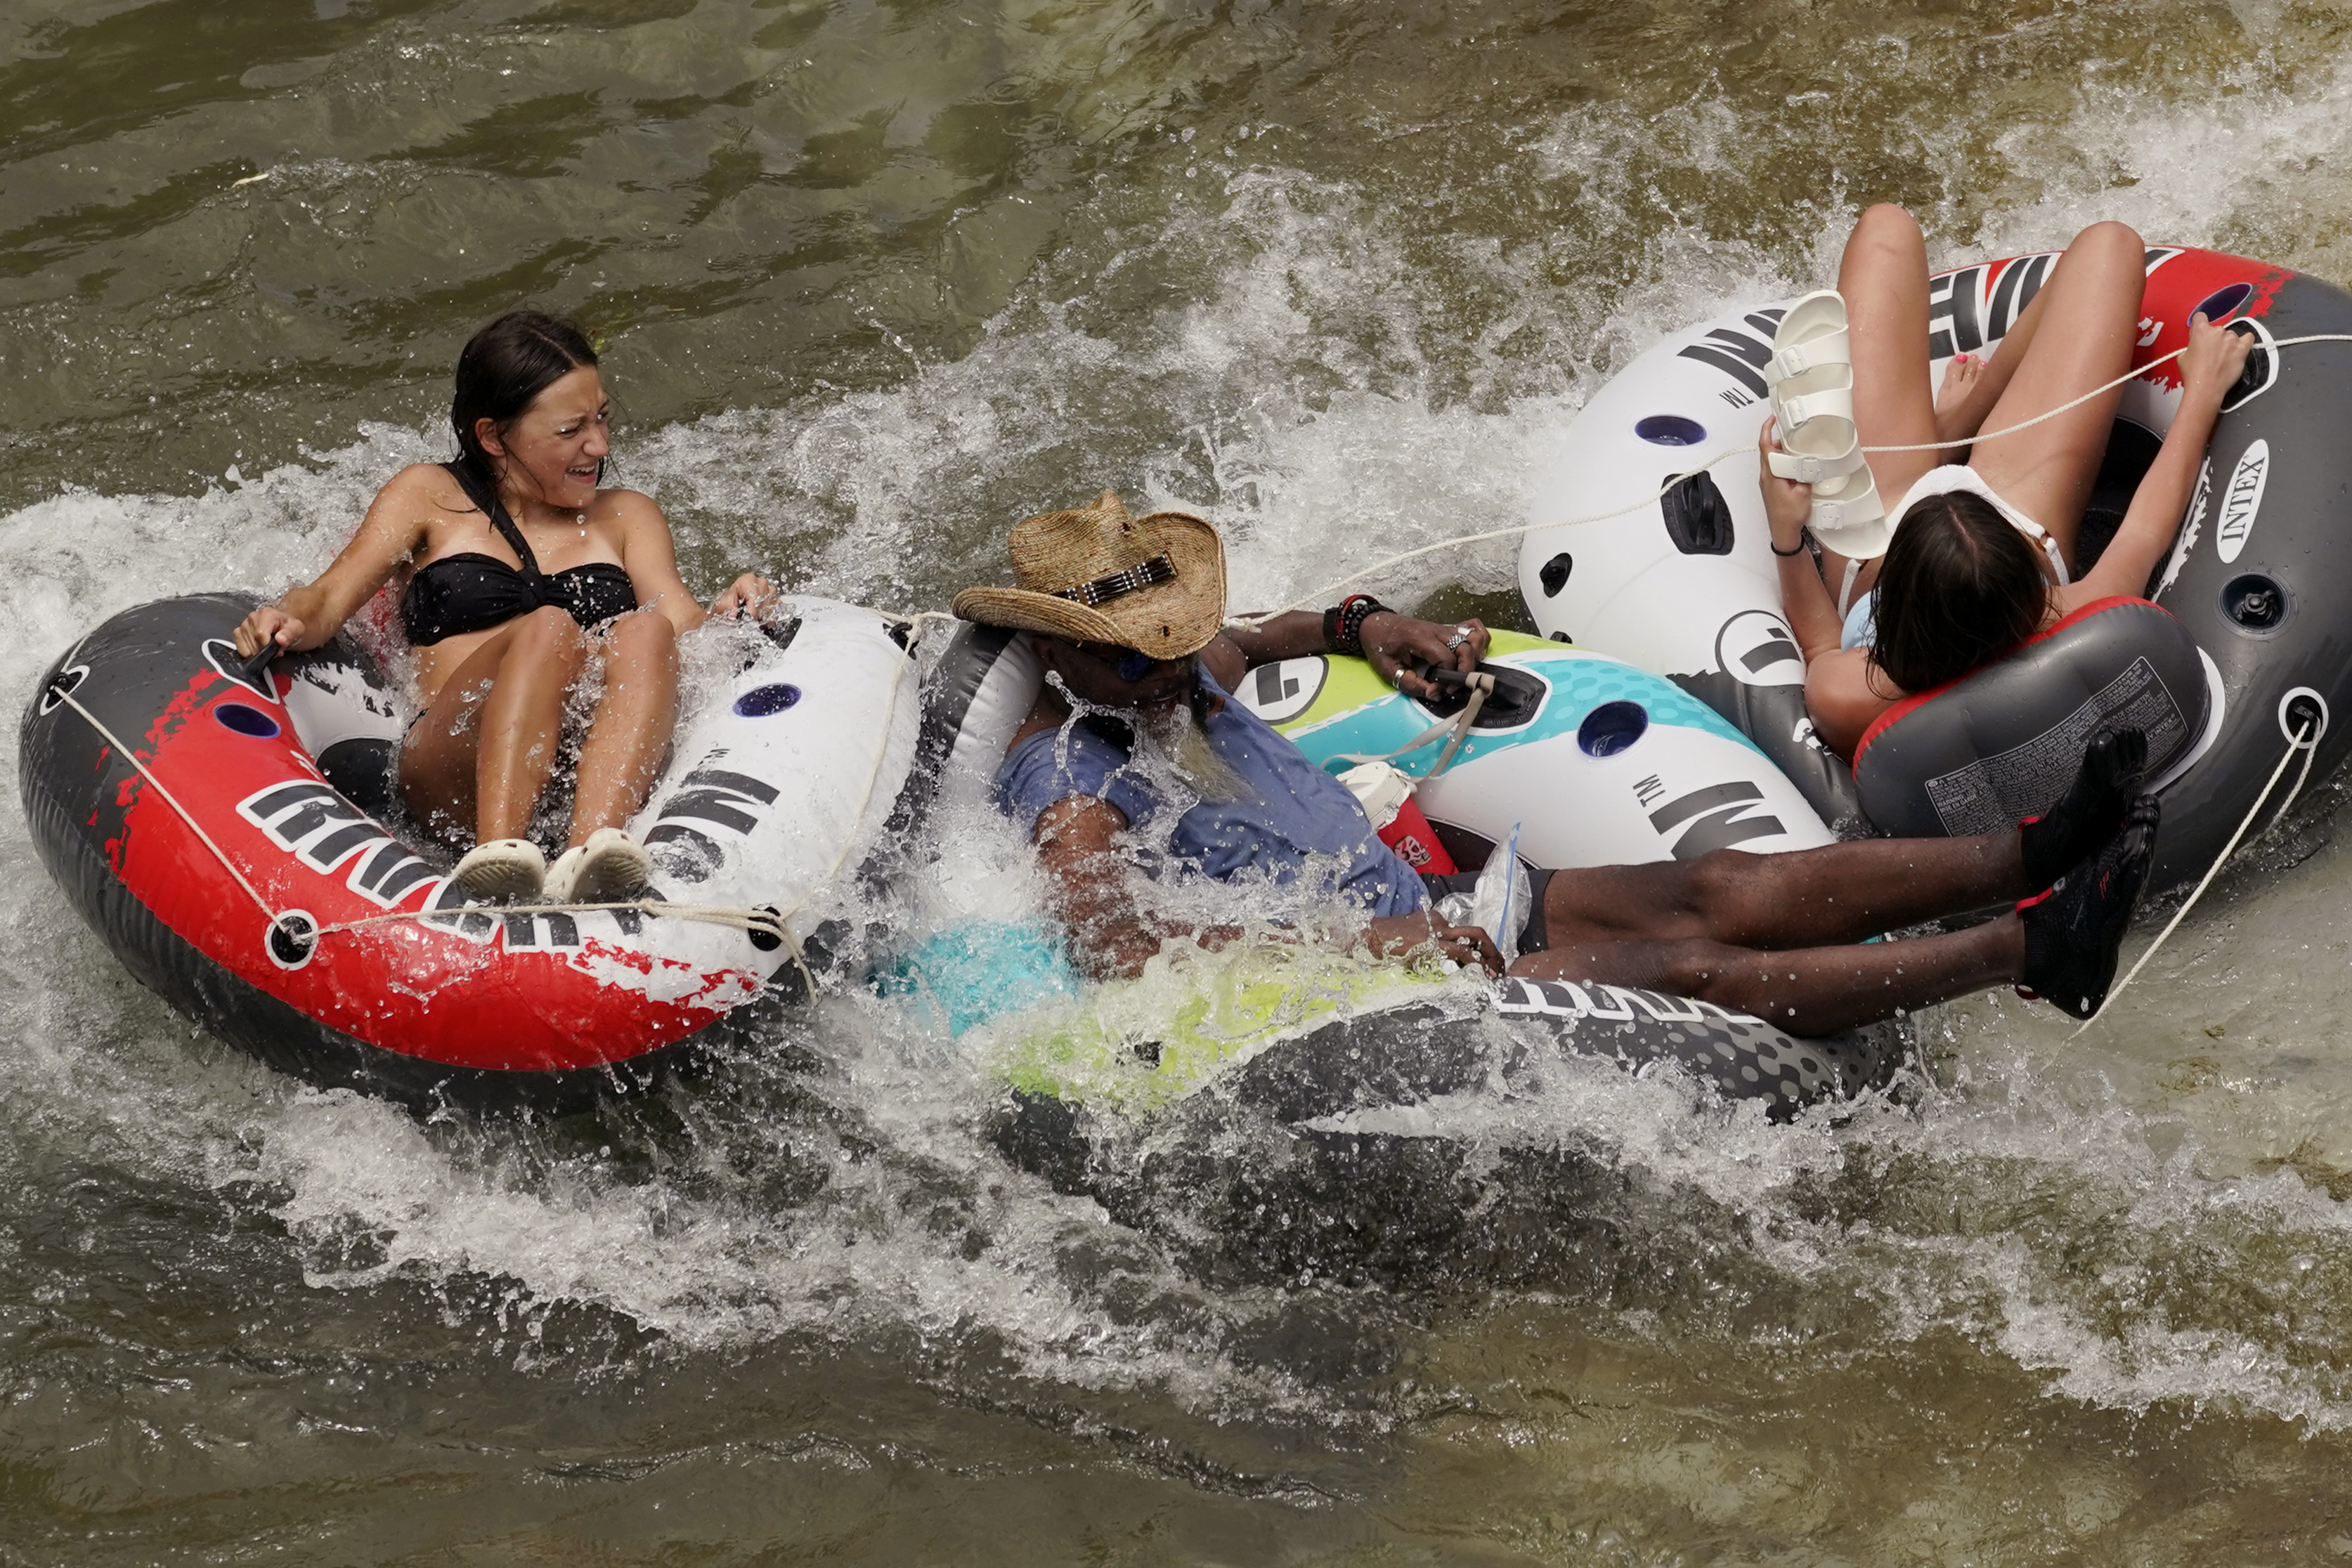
(1942,481)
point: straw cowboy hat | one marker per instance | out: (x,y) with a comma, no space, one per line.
(1156,583)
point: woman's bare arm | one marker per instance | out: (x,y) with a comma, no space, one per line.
(2215,357)
(1805,597)
(1841,686)
(649,555)
(1844,694)
(395,525)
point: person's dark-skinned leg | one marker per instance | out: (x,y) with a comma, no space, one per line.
(1809,898)
(1807,991)
(1850,892)
(2062,945)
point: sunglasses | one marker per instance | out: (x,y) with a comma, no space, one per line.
(1132,663)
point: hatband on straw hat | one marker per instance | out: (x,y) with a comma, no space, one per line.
(1154,583)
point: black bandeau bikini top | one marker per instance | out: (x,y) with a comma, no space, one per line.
(472,591)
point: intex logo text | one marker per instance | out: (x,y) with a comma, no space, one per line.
(2241,500)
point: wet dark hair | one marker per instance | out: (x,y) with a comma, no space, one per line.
(504,366)
(1960,587)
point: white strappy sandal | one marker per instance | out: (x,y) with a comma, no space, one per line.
(1811,377)
(1812,335)
(1849,518)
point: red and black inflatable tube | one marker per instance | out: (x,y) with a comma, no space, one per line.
(2258,585)
(465,1010)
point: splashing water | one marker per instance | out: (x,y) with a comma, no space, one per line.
(1331,288)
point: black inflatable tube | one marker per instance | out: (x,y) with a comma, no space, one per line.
(2277,500)
(1261,1158)
(2002,743)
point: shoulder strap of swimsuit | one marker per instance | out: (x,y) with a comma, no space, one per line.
(469,479)
(2040,536)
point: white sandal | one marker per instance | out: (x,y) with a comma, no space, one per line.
(1812,335)
(1826,448)
(504,870)
(1849,518)
(1811,376)
(1824,392)
(610,868)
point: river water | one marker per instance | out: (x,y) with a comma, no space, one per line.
(874,280)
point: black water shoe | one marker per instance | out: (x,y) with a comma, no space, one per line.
(2074,932)
(2083,821)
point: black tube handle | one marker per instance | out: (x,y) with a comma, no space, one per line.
(255,671)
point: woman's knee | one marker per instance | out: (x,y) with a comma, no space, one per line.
(1884,221)
(642,630)
(1886,250)
(1887,232)
(547,633)
(641,640)
(2109,240)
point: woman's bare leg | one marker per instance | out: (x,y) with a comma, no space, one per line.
(485,749)
(2091,308)
(1958,419)
(1884,278)
(633,724)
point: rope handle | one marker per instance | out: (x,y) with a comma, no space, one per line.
(1324,593)
(2310,748)
(1454,730)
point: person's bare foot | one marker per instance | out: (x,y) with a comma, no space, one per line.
(1961,373)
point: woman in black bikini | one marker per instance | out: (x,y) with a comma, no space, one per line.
(500,639)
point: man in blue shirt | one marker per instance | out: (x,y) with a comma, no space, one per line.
(1132,754)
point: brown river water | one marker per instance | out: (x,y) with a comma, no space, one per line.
(873,280)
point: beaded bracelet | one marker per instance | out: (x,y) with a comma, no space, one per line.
(1343,623)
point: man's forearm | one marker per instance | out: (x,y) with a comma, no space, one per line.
(1293,635)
